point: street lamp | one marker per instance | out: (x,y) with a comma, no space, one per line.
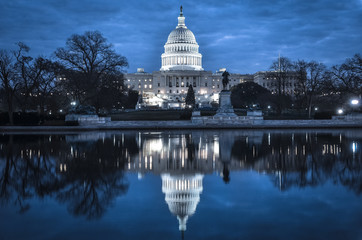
(73,103)
(354,102)
(340,111)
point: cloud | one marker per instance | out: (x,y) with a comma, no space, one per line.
(233,34)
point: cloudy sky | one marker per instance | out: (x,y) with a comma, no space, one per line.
(244,36)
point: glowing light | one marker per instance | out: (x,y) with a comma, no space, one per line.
(73,103)
(354,102)
(156,145)
(340,111)
(354,147)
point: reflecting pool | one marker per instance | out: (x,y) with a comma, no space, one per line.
(232,184)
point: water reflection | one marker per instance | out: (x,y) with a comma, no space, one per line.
(72,172)
(86,171)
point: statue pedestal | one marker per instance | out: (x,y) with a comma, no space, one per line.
(225,107)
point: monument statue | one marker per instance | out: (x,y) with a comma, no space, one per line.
(225,80)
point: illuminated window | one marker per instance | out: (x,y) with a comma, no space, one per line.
(150,86)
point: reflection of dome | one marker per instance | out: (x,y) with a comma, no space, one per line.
(181,49)
(182,194)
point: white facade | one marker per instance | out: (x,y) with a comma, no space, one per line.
(288,85)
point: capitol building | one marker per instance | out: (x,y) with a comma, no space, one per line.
(181,66)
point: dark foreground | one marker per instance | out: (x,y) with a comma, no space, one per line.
(219,184)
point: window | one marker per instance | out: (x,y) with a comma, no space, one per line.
(182,84)
(187,84)
(158,84)
(206,84)
(145,85)
(177,85)
(150,86)
(218,86)
(170,91)
(158,91)
(194,85)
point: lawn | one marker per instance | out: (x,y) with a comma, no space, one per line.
(152,115)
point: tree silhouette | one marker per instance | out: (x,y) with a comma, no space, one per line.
(190,97)
(88,60)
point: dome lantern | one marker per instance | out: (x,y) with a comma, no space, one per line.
(181,20)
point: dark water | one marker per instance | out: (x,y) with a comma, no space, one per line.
(174,184)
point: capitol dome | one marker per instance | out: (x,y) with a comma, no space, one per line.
(182,194)
(181,35)
(181,49)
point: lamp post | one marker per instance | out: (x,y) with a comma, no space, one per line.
(354,103)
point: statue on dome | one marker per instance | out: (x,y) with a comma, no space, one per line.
(225,80)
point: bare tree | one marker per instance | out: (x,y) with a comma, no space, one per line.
(9,80)
(281,70)
(28,73)
(347,77)
(88,58)
(310,76)
(46,88)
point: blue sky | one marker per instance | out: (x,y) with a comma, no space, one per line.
(244,36)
